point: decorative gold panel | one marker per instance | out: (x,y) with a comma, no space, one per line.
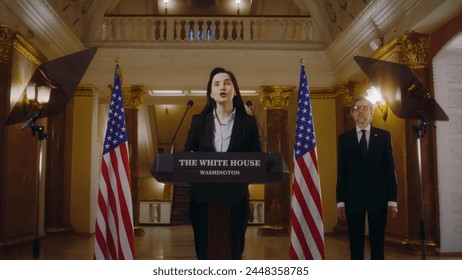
(9,39)
(349,90)
(84,90)
(133,96)
(6,41)
(276,97)
(411,49)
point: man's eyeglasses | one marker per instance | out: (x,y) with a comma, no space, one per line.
(360,108)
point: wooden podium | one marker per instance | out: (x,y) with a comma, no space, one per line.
(220,168)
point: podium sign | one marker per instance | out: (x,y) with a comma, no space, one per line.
(206,167)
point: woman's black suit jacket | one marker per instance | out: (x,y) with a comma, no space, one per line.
(244,138)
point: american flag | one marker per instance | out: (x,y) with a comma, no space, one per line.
(307,232)
(114,236)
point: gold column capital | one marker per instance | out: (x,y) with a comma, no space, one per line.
(133,96)
(414,49)
(349,90)
(276,97)
(84,90)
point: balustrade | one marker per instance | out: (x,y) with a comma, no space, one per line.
(205,29)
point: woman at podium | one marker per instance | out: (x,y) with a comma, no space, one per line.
(219,212)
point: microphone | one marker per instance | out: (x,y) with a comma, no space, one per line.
(250,105)
(188,105)
(31,120)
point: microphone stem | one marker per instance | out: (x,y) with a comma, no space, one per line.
(261,130)
(178,128)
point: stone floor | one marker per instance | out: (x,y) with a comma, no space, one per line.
(176,243)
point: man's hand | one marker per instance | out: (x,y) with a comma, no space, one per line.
(341,213)
(392,211)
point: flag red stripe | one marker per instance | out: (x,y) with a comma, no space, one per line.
(297,227)
(303,204)
(124,211)
(315,196)
(113,239)
(113,204)
(114,244)
(310,183)
(127,216)
(313,188)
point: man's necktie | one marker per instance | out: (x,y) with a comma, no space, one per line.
(363,145)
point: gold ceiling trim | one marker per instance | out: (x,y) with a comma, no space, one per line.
(323,93)
(9,39)
(412,49)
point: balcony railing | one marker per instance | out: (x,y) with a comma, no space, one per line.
(204,29)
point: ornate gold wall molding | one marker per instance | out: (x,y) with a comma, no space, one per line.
(415,48)
(10,39)
(323,93)
(133,96)
(84,90)
(411,49)
(6,43)
(276,97)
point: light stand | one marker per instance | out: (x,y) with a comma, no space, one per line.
(419,132)
(408,99)
(62,75)
(41,135)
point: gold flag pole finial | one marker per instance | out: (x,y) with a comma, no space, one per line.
(117,60)
(302,61)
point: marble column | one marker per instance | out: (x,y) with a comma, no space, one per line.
(277,194)
(133,97)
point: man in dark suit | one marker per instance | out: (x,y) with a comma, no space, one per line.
(366,181)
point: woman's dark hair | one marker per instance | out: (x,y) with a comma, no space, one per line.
(237,100)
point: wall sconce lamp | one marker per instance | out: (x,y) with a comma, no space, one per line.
(166,6)
(38,93)
(37,96)
(375,97)
(238,3)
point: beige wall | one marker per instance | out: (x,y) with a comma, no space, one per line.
(324,116)
(85,164)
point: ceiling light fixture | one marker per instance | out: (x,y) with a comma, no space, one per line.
(238,3)
(175,92)
(166,5)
